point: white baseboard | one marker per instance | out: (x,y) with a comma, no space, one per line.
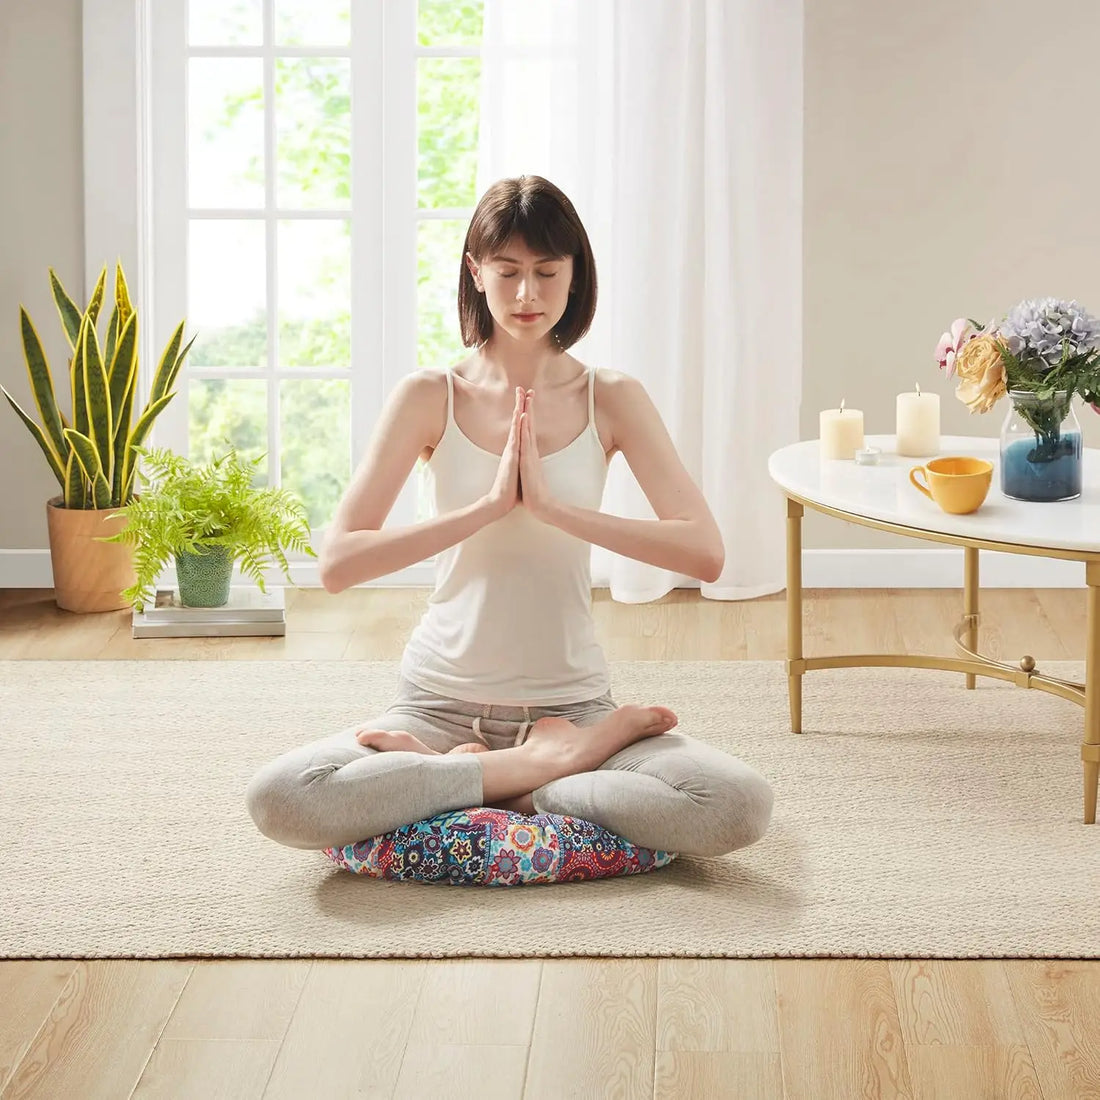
(820,569)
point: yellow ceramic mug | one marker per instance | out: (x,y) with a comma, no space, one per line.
(957,484)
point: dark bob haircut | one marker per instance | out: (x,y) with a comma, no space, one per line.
(538,213)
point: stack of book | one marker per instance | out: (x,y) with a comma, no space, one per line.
(247,612)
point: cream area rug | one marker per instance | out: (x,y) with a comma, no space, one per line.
(913,818)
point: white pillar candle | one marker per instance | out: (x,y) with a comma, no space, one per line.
(918,425)
(841,432)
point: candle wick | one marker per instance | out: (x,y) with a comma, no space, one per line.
(841,409)
(918,389)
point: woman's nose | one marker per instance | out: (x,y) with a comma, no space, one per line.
(525,290)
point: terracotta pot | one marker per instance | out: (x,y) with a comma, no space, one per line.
(88,575)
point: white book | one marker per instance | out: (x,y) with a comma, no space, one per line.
(218,629)
(246,604)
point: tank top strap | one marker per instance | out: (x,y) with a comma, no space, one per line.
(450,396)
(592,397)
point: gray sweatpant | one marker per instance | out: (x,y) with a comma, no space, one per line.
(668,792)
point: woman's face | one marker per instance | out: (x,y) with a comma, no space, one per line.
(526,294)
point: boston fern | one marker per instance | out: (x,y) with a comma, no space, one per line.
(188,508)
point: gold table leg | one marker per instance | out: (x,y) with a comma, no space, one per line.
(970,604)
(1090,747)
(794,612)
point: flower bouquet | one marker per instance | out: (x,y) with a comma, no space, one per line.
(1042,354)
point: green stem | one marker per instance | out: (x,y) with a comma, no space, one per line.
(1045,419)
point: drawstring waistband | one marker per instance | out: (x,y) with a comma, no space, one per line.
(521,735)
(478,734)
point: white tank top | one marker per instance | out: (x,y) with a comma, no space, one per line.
(510,619)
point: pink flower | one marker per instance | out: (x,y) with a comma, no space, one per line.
(951,343)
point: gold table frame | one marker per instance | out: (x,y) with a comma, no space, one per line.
(973,664)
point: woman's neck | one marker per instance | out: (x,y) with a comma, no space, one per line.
(531,367)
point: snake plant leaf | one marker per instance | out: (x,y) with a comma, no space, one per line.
(99,404)
(43,442)
(112,339)
(75,495)
(96,300)
(89,462)
(76,370)
(179,363)
(123,305)
(122,435)
(122,367)
(42,385)
(137,437)
(86,453)
(166,365)
(102,492)
(66,307)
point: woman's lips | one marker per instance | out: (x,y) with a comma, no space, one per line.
(526,316)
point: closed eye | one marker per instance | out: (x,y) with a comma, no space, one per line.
(541,275)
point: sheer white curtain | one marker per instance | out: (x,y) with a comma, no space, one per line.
(675,126)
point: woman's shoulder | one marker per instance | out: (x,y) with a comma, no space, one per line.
(608,380)
(615,389)
(424,383)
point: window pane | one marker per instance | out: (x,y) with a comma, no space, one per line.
(438,260)
(315,293)
(447,112)
(225,23)
(224,411)
(312,22)
(313,123)
(449,23)
(226,293)
(316,438)
(225,132)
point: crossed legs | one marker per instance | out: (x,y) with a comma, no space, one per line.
(557,748)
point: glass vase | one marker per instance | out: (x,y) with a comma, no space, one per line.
(1041,448)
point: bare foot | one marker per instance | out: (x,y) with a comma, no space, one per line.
(589,746)
(394,741)
(403,741)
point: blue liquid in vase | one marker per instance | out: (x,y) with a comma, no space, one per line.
(1058,478)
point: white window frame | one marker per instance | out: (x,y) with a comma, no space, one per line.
(135,205)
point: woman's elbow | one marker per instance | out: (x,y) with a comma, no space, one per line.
(331,582)
(328,581)
(712,570)
(714,561)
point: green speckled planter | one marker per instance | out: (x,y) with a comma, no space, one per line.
(204,578)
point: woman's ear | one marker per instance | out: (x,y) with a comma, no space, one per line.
(475,272)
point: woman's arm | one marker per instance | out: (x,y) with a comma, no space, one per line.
(685,537)
(356,549)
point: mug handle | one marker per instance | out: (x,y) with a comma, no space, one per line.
(913,478)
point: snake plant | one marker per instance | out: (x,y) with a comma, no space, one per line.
(95,455)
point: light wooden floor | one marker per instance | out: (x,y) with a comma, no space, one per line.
(557,1028)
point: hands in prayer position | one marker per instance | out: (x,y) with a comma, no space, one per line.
(519,477)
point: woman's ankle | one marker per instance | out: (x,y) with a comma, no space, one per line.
(512,773)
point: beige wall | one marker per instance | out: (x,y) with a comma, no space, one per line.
(950,169)
(950,158)
(42,221)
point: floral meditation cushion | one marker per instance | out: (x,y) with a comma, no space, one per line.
(489,847)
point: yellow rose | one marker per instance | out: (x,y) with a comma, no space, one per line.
(981,374)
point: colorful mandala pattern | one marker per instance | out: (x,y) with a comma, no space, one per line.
(486,847)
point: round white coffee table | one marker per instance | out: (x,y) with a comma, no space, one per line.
(881,497)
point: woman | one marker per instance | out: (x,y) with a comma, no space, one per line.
(504,698)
